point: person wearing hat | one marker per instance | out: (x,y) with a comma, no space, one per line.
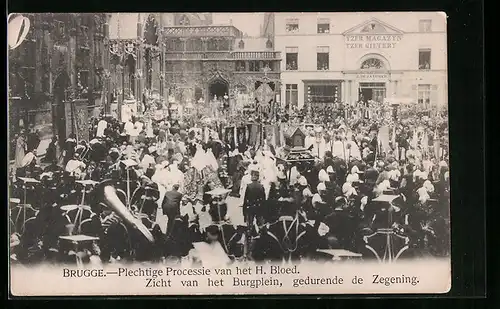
(253,199)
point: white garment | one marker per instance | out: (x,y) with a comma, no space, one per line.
(101,126)
(149,130)
(354,150)
(245,181)
(134,131)
(198,160)
(339,150)
(139,126)
(75,167)
(320,148)
(294,175)
(176,177)
(147,160)
(316,199)
(309,141)
(210,159)
(128,127)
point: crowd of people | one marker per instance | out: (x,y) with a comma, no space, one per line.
(192,175)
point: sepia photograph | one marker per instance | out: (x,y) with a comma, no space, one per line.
(228,153)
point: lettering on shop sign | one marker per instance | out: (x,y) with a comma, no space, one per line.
(373,41)
(372,76)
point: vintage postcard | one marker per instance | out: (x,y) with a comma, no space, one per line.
(228,153)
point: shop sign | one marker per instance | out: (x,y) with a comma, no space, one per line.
(370,76)
(372,41)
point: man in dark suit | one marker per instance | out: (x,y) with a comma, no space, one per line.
(254,198)
(171,206)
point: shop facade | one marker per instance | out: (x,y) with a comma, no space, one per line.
(342,58)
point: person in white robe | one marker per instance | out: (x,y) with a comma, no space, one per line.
(310,140)
(148,159)
(353,150)
(245,181)
(101,126)
(211,160)
(339,149)
(128,127)
(294,175)
(133,134)
(323,176)
(269,172)
(75,166)
(317,199)
(176,177)
(198,160)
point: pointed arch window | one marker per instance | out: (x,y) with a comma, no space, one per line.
(184,21)
(269,43)
(241,44)
(372,64)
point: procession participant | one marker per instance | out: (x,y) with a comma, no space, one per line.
(102,125)
(176,177)
(69,148)
(75,166)
(128,127)
(133,133)
(310,139)
(218,206)
(51,152)
(33,138)
(171,206)
(319,202)
(147,159)
(253,199)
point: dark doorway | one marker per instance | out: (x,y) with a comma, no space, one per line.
(58,106)
(218,88)
(367,93)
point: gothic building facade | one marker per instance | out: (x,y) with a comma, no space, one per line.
(186,57)
(61,60)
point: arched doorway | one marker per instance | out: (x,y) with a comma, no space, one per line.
(61,83)
(374,69)
(218,87)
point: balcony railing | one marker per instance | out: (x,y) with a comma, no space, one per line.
(201,31)
(223,55)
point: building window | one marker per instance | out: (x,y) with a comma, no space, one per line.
(241,44)
(184,21)
(372,64)
(425,25)
(254,66)
(292,95)
(424,95)
(240,66)
(292,58)
(424,59)
(292,26)
(323,26)
(269,44)
(322,94)
(323,58)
